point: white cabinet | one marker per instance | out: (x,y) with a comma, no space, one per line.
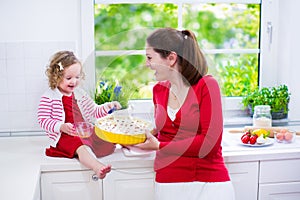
(280,191)
(255,180)
(75,185)
(138,183)
(133,184)
(279,179)
(244,177)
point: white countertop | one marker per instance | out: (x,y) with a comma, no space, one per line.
(23,159)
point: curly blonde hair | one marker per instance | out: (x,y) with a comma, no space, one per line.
(58,62)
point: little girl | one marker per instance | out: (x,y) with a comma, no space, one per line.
(62,105)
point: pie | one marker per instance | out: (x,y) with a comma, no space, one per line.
(122,129)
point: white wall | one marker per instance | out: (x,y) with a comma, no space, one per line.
(288,53)
(31,31)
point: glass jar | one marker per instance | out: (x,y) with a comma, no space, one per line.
(262,116)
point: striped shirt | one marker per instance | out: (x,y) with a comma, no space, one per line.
(51,113)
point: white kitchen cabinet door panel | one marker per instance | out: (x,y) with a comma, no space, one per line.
(73,185)
(133,184)
(279,191)
(244,177)
(279,171)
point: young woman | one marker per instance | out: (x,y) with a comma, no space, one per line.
(189,122)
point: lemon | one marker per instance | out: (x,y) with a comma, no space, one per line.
(260,132)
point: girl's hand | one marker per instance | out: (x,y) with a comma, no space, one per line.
(115,104)
(112,106)
(68,128)
(150,144)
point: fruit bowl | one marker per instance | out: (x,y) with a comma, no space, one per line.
(124,130)
(285,136)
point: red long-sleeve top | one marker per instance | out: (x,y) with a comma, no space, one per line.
(190,146)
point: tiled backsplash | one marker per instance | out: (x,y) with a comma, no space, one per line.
(22,82)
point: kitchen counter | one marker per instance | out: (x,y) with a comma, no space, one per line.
(23,160)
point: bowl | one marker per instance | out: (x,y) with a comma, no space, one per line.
(83,129)
(285,136)
(122,130)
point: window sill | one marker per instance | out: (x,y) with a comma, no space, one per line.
(144,109)
(231,118)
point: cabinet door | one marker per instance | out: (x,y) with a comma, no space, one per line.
(279,191)
(244,177)
(275,171)
(133,184)
(75,185)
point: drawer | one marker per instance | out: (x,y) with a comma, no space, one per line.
(279,191)
(279,171)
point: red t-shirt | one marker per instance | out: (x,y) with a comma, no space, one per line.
(190,146)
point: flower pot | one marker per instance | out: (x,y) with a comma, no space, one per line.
(249,110)
(279,115)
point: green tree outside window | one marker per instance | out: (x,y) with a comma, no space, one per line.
(217,26)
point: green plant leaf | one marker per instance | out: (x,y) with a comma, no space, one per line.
(278,97)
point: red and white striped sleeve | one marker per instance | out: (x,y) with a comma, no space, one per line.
(90,108)
(50,114)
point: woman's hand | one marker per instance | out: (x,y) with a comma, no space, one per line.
(151,143)
(68,128)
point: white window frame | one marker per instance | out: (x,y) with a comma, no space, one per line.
(268,43)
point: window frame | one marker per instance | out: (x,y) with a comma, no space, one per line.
(268,42)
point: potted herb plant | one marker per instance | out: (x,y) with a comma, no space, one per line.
(277,98)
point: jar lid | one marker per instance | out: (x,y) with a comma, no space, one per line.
(262,107)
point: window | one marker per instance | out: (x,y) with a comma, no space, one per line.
(227,32)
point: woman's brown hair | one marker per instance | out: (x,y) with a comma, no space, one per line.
(192,62)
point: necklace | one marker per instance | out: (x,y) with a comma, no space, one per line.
(178,96)
(173,95)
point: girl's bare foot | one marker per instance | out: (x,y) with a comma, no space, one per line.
(101,173)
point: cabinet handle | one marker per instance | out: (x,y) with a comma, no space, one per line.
(270,33)
(95,177)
